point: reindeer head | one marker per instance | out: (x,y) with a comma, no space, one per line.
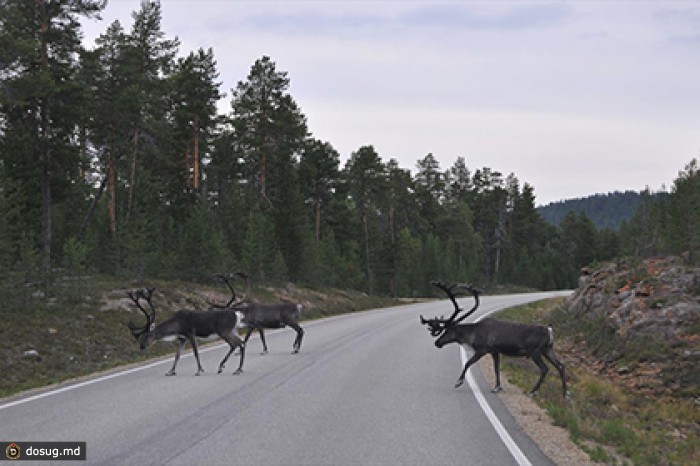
(445,328)
(449,335)
(435,325)
(144,335)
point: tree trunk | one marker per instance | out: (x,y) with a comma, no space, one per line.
(368,267)
(187,169)
(392,237)
(112,187)
(132,177)
(318,215)
(196,152)
(46,187)
(262,173)
(93,205)
(45,147)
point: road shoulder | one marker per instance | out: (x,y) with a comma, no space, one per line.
(554,441)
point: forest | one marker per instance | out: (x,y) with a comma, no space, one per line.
(605,210)
(115,161)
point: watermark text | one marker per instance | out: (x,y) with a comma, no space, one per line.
(37,451)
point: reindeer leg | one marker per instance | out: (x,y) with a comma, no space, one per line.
(249,332)
(262,338)
(177,356)
(496,363)
(537,357)
(240,364)
(549,354)
(193,342)
(233,341)
(297,340)
(471,361)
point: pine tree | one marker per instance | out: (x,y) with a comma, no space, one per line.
(402,207)
(430,188)
(270,130)
(490,208)
(194,94)
(684,225)
(365,175)
(459,182)
(318,172)
(40,42)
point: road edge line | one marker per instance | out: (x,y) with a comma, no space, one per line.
(507,440)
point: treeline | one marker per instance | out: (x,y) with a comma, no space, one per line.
(115,161)
(605,210)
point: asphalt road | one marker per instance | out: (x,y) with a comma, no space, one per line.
(367,388)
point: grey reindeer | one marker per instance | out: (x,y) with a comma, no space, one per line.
(494,337)
(188,325)
(260,316)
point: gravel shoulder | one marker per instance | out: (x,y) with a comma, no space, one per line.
(554,441)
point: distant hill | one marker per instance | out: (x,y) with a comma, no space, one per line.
(604,210)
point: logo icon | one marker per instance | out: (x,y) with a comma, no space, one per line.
(12,451)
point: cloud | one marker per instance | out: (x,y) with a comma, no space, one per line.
(683,25)
(307,21)
(376,18)
(476,17)
(312,22)
(679,15)
(689,39)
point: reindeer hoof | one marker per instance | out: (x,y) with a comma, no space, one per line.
(238,372)
(221,369)
(496,389)
(263,353)
(532,394)
(168,374)
(459,383)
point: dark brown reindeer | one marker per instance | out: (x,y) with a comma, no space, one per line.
(188,325)
(494,337)
(260,316)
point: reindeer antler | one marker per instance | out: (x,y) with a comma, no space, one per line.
(232,301)
(230,287)
(245,277)
(146,293)
(448,290)
(475,292)
(437,325)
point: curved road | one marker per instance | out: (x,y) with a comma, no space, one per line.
(367,388)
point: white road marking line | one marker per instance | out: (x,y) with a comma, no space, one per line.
(56,391)
(507,440)
(80,384)
(66,388)
(513,448)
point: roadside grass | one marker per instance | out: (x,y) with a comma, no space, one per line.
(73,334)
(612,422)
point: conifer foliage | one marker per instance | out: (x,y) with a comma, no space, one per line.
(115,160)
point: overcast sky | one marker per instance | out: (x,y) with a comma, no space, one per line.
(575,98)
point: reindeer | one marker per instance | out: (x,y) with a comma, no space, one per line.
(494,337)
(187,325)
(259,316)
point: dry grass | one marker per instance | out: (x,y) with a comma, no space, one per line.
(611,420)
(86,332)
